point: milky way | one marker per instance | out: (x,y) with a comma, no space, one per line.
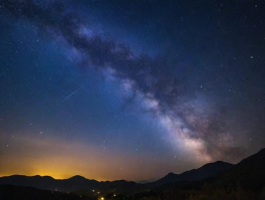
(200,102)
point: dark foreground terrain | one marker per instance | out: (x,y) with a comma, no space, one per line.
(28,193)
(219,180)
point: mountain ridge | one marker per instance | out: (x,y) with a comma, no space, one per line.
(203,172)
(248,172)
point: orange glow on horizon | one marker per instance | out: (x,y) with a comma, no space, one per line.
(63,159)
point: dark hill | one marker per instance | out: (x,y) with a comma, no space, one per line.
(243,181)
(11,192)
(249,173)
(73,184)
(204,172)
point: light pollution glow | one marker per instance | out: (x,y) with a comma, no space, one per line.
(63,159)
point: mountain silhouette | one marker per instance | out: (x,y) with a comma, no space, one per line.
(204,172)
(78,182)
(249,174)
(73,184)
(11,192)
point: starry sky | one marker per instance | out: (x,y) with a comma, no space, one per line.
(129,89)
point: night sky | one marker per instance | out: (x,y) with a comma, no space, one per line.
(118,89)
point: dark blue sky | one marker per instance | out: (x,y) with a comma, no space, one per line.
(129,89)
